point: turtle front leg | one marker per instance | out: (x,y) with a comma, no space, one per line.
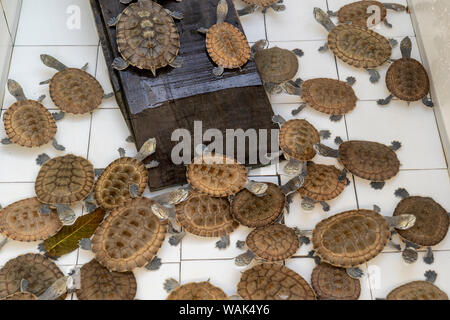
(6,141)
(247,10)
(325,206)
(218,71)
(377,185)
(386,23)
(244,259)
(384,102)
(324,48)
(336,117)
(154,265)
(176,238)
(120,64)
(299,109)
(223,243)
(429,258)
(374,75)
(427,102)
(58,146)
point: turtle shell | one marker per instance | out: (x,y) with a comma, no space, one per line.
(112,188)
(332,283)
(39,271)
(431,224)
(274,242)
(29,124)
(253,211)
(21,296)
(407,79)
(206,216)
(322,183)
(64,180)
(350,238)
(216,175)
(297,138)
(147,37)
(197,291)
(269,281)
(276,65)
(22,221)
(227,46)
(329,96)
(129,237)
(75,91)
(417,290)
(356,12)
(359,46)
(261,3)
(369,160)
(98,283)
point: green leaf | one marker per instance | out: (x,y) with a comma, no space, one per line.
(66,240)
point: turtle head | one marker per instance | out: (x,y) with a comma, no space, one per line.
(326,151)
(395,6)
(406,48)
(404,221)
(51,62)
(57,289)
(323,19)
(16,90)
(160,211)
(178,196)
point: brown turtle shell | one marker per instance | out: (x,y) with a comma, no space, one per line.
(206,216)
(297,138)
(21,296)
(274,242)
(269,281)
(332,283)
(75,91)
(356,13)
(329,96)
(147,37)
(39,271)
(98,283)
(407,79)
(129,237)
(216,175)
(197,291)
(322,183)
(22,221)
(431,224)
(253,211)
(64,180)
(261,3)
(417,290)
(29,124)
(369,160)
(359,46)
(276,65)
(227,46)
(350,238)
(112,188)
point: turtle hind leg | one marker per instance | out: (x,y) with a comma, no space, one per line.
(120,64)
(336,117)
(325,206)
(427,102)
(429,257)
(430,276)
(42,158)
(58,115)
(278,7)
(58,146)
(175,239)
(374,75)
(384,102)
(218,71)
(223,243)
(247,10)
(154,265)
(377,185)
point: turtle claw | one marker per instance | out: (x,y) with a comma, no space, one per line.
(427,102)
(134,190)
(223,243)
(374,75)
(401,193)
(85,244)
(355,273)
(41,159)
(299,109)
(218,71)
(170,284)
(240,244)
(6,141)
(336,117)
(119,64)
(429,258)
(384,102)
(58,115)
(430,276)
(377,185)
(154,265)
(58,146)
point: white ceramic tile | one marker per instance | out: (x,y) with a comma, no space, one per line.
(5,51)
(150,283)
(56,22)
(102,76)
(253,24)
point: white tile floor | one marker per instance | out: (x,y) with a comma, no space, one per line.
(43,29)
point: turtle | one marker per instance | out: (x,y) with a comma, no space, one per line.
(297,138)
(98,283)
(358,13)
(356,46)
(253,5)
(73,90)
(193,291)
(130,236)
(368,160)
(220,176)
(419,290)
(147,37)
(270,281)
(322,183)
(407,79)
(37,270)
(333,283)
(226,45)
(27,122)
(63,181)
(329,96)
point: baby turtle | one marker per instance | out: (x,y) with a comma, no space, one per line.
(323,183)
(39,272)
(431,227)
(332,283)
(358,13)
(328,96)
(419,290)
(23,221)
(253,5)
(365,159)
(27,122)
(73,90)
(147,37)
(226,45)
(356,46)
(220,176)
(129,237)
(193,291)
(407,79)
(269,281)
(297,138)
(98,283)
